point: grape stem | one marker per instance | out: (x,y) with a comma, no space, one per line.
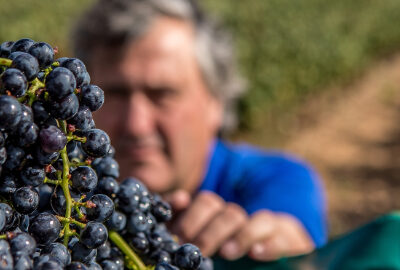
(71,220)
(50,181)
(132,257)
(76,138)
(124,247)
(65,187)
(31,93)
(5,62)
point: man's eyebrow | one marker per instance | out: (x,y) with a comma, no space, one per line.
(117,88)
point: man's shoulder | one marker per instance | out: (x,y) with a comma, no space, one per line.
(251,157)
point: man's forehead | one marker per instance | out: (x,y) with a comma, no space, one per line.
(164,36)
(168,47)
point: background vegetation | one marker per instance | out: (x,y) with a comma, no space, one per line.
(288,49)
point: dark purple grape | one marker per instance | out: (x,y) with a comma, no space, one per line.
(107,166)
(76,266)
(22,243)
(155,240)
(43,52)
(145,204)
(92,96)
(94,234)
(2,139)
(77,67)
(138,222)
(103,251)
(41,76)
(117,221)
(82,253)
(130,192)
(45,192)
(25,200)
(140,243)
(13,80)
(187,257)
(206,264)
(2,219)
(119,261)
(86,79)
(26,113)
(94,266)
(111,152)
(64,108)
(43,158)
(97,143)
(9,213)
(3,155)
(51,264)
(39,112)
(22,45)
(75,151)
(32,175)
(23,262)
(159,256)
(84,179)
(82,118)
(24,223)
(109,265)
(162,231)
(103,209)
(161,210)
(108,186)
(59,251)
(27,64)
(6,259)
(27,133)
(45,228)
(52,139)
(165,266)
(10,112)
(5,48)
(15,155)
(13,55)
(60,83)
(61,60)
(170,246)
(58,201)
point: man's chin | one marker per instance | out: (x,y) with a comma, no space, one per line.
(154,181)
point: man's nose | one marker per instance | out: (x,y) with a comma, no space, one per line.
(140,115)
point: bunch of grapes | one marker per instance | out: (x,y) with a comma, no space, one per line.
(61,204)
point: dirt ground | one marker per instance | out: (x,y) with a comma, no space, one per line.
(352,136)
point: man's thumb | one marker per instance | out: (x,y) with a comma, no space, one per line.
(178,199)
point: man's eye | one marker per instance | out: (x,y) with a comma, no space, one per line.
(161,95)
(116,92)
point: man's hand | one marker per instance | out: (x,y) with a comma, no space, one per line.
(217,226)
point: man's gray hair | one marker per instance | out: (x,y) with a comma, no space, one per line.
(114,22)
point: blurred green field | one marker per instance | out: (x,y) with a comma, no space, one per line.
(288,49)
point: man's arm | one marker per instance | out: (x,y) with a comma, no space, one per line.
(217,226)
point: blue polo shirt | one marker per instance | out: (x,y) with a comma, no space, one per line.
(257,179)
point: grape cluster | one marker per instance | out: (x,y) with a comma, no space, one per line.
(61,206)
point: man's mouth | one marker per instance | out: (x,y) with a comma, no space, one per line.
(140,151)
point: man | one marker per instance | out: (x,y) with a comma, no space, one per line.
(170,82)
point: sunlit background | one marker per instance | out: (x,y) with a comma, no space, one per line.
(323,77)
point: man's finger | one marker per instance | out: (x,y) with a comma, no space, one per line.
(221,228)
(260,226)
(289,239)
(203,209)
(179,200)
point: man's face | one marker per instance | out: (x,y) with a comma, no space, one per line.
(158,112)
